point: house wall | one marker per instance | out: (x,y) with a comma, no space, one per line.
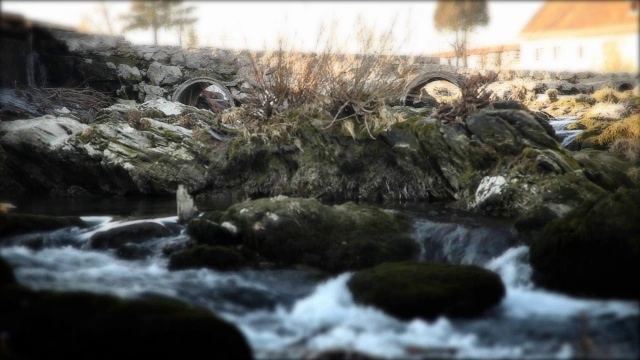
(603,53)
(504,60)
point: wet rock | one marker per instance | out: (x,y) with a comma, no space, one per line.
(508,131)
(341,355)
(12,224)
(163,75)
(60,155)
(134,327)
(205,256)
(129,74)
(132,233)
(151,92)
(132,251)
(592,250)
(409,290)
(6,274)
(292,231)
(208,229)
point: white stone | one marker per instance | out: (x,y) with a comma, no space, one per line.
(489,186)
(229,226)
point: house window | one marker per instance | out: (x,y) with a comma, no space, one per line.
(538,54)
(580,52)
(556,52)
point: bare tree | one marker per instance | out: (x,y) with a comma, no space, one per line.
(154,15)
(461,16)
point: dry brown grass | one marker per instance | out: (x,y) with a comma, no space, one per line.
(628,149)
(474,96)
(628,128)
(352,89)
(607,111)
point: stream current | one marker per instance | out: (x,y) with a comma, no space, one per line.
(300,313)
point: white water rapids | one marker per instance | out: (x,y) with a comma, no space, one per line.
(295,314)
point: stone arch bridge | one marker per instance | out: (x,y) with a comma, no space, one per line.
(38,55)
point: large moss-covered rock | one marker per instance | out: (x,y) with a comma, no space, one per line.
(427,290)
(13,224)
(593,250)
(336,238)
(75,325)
(125,150)
(132,233)
(213,257)
(6,274)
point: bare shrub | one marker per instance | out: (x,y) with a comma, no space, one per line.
(628,149)
(634,174)
(474,96)
(346,86)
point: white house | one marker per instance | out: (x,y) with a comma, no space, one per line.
(582,36)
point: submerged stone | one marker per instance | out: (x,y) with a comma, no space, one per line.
(427,290)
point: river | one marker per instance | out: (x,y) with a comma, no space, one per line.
(299,313)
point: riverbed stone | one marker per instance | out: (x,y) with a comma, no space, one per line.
(131,233)
(593,250)
(291,231)
(205,256)
(13,224)
(41,323)
(6,274)
(410,290)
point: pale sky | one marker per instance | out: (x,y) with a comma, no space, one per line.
(257,25)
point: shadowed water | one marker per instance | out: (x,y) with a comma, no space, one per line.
(294,313)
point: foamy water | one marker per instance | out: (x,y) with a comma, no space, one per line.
(296,314)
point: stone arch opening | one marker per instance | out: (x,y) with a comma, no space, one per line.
(204,93)
(625,87)
(432,88)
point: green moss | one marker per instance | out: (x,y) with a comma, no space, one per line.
(171,135)
(304,231)
(12,224)
(427,290)
(594,249)
(213,257)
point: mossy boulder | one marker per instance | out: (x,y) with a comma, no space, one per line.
(13,224)
(604,169)
(509,130)
(132,233)
(77,325)
(289,231)
(593,250)
(427,290)
(6,274)
(208,229)
(206,256)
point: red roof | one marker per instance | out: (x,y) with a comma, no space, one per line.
(583,18)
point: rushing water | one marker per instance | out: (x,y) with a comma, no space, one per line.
(294,313)
(560,126)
